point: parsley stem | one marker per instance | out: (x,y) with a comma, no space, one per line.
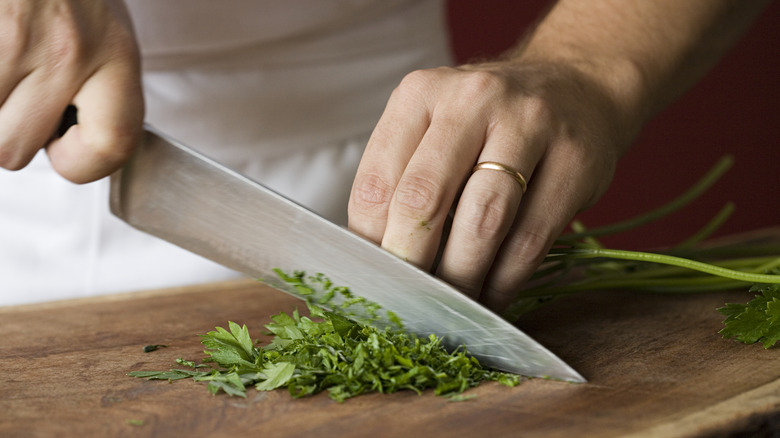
(640,256)
(666,279)
(707,230)
(692,193)
(655,285)
(731,251)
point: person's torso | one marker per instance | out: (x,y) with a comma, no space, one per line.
(283,91)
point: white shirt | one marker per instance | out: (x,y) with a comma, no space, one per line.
(284,92)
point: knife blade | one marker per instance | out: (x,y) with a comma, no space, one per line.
(177,194)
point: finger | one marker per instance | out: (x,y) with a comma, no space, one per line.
(392,144)
(15,42)
(427,189)
(10,77)
(486,210)
(29,116)
(560,188)
(110,121)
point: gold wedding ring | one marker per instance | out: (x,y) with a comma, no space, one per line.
(492,165)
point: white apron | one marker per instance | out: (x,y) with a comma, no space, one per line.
(284,92)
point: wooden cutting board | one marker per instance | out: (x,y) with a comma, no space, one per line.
(655,364)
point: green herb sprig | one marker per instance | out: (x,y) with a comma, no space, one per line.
(756,321)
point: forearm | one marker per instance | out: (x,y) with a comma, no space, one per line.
(645,53)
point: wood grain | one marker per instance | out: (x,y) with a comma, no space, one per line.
(655,364)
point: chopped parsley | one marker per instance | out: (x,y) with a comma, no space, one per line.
(331,351)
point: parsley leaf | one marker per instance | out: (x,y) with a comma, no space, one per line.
(756,321)
(276,375)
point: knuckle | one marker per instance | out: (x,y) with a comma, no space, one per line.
(417,197)
(576,160)
(64,44)
(530,243)
(111,148)
(571,158)
(414,86)
(11,159)
(370,192)
(482,82)
(487,218)
(122,43)
(464,283)
(418,79)
(14,38)
(537,111)
(72,41)
(501,294)
(484,87)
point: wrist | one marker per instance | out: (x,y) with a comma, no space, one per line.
(621,80)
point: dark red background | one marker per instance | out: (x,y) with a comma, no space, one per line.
(731,111)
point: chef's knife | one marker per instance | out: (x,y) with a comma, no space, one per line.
(181,196)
